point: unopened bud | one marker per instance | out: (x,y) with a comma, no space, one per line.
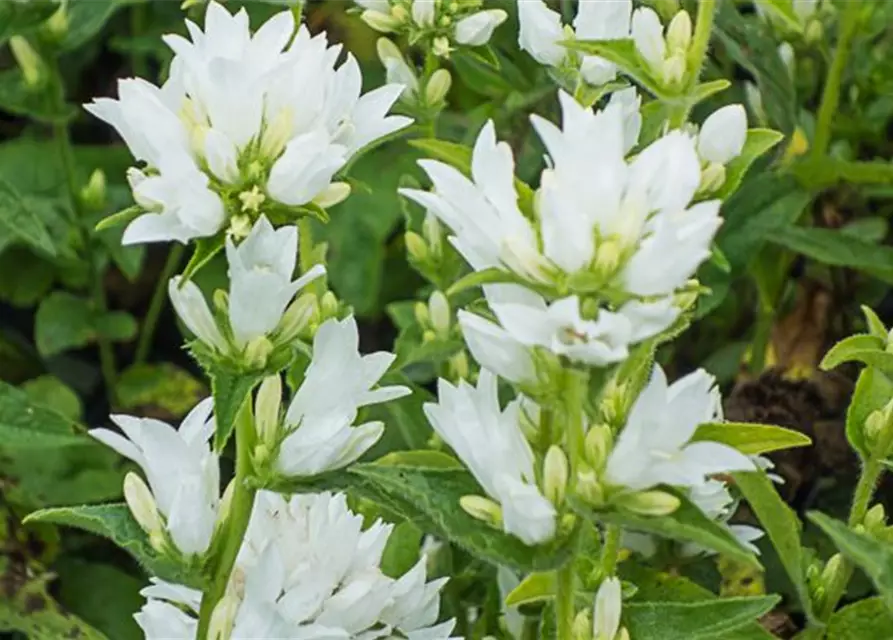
(415,246)
(598,445)
(226,502)
(582,627)
(674,69)
(93,193)
(222,619)
(555,474)
(433,232)
(297,317)
(614,400)
(439,312)
(875,518)
(57,25)
(387,50)
(240,226)
(679,32)
(142,505)
(383,22)
(220,298)
(649,503)
(832,568)
(814,32)
(441,47)
(482,509)
(335,193)
(874,425)
(28,59)
(589,488)
(458,366)
(266,409)
(712,178)
(786,53)
(438,87)
(258,351)
(623,634)
(399,13)
(607,257)
(422,315)
(329,305)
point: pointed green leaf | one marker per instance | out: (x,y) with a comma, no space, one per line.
(39,103)
(875,325)
(21,222)
(867,619)
(687,524)
(114,521)
(708,89)
(124,216)
(818,173)
(492,275)
(873,556)
(425,458)
(536,587)
(783,11)
(758,142)
(838,249)
(231,390)
(205,250)
(25,424)
(624,54)
(751,439)
(873,391)
(864,348)
(705,620)
(783,528)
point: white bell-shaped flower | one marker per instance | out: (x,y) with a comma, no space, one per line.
(491,444)
(723,134)
(319,421)
(654,446)
(606,610)
(182,471)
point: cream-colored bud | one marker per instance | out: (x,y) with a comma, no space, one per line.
(483,509)
(459,368)
(433,232)
(589,488)
(276,134)
(28,59)
(240,226)
(438,86)
(258,351)
(220,299)
(679,32)
(441,47)
(421,313)
(266,409)
(335,193)
(614,402)
(387,50)
(223,617)
(674,69)
(713,176)
(555,474)
(329,305)
(439,312)
(649,503)
(415,246)
(226,502)
(582,627)
(597,445)
(608,256)
(142,505)
(399,13)
(299,315)
(383,22)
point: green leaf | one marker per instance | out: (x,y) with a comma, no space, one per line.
(480,74)
(29,609)
(873,392)
(86,19)
(749,438)
(783,11)
(491,275)
(827,171)
(873,556)
(758,142)
(21,17)
(24,424)
(50,392)
(21,222)
(401,552)
(158,388)
(430,499)
(875,325)
(33,279)
(103,595)
(687,524)
(113,521)
(231,390)
(39,103)
(536,587)
(124,216)
(459,156)
(65,321)
(864,348)
(708,89)
(426,458)
(866,619)
(705,620)
(205,250)
(838,249)
(117,326)
(782,527)
(624,54)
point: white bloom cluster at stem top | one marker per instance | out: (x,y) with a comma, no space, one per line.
(243,120)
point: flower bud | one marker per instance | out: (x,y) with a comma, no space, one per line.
(240,226)
(224,616)
(383,22)
(28,60)
(674,69)
(142,505)
(649,503)
(555,474)
(423,12)
(713,176)
(679,32)
(614,401)
(335,193)
(482,509)
(297,317)
(598,444)
(876,518)
(438,86)
(266,409)
(387,50)
(422,315)
(441,47)
(832,568)
(226,502)
(814,32)
(329,305)
(582,627)
(433,232)
(458,366)
(415,246)
(257,352)
(439,312)
(589,488)
(57,25)
(220,298)
(786,53)
(607,257)
(93,193)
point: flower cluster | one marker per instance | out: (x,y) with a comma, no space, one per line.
(244,121)
(306,569)
(439,22)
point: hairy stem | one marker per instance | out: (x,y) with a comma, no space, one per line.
(610,549)
(831,92)
(159,296)
(236,523)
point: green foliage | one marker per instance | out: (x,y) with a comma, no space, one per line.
(32,611)
(750,438)
(873,392)
(867,619)
(684,620)
(65,321)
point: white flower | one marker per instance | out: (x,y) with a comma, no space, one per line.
(269,113)
(162,620)
(260,271)
(625,223)
(723,134)
(542,31)
(423,12)
(495,349)
(396,68)
(337,383)
(606,610)
(490,442)
(475,30)
(654,448)
(180,467)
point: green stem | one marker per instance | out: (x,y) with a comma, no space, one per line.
(831,92)
(137,27)
(62,138)
(610,550)
(564,603)
(236,523)
(156,305)
(761,338)
(305,254)
(531,629)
